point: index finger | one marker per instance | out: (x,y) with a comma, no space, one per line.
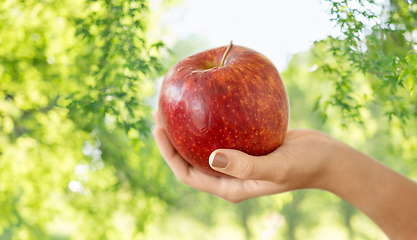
(155,115)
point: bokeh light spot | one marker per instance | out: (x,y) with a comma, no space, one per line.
(75,186)
(51,60)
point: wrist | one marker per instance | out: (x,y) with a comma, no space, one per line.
(339,167)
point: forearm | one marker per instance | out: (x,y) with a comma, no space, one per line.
(384,195)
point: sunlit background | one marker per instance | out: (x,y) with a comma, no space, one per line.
(278,29)
(79,79)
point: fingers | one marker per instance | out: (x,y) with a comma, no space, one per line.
(244,166)
(168,152)
(155,115)
(182,170)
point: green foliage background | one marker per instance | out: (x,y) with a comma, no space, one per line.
(76,158)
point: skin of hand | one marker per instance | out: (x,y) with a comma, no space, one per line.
(307,159)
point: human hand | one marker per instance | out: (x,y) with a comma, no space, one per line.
(306,159)
(298,163)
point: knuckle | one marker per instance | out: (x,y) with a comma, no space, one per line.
(234,200)
(181,178)
(247,171)
(231,196)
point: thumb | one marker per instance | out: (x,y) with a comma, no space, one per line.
(240,165)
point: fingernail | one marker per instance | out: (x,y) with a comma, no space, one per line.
(220,161)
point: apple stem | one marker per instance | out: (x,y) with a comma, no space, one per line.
(225,53)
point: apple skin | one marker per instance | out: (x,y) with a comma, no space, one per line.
(242,105)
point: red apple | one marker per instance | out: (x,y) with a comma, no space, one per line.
(205,105)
